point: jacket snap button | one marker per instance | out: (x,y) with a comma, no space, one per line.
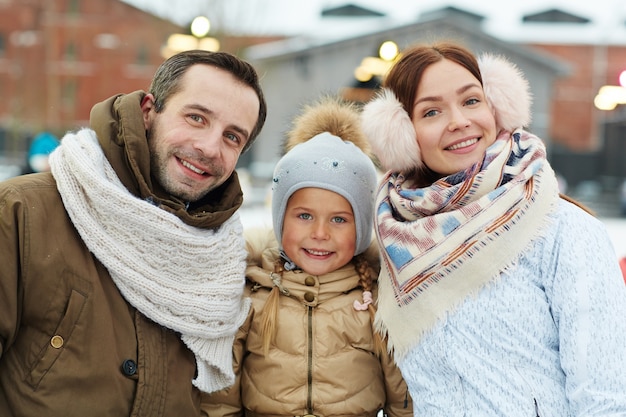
(309,281)
(129,367)
(309,297)
(56,341)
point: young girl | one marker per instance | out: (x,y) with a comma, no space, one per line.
(498,297)
(308,347)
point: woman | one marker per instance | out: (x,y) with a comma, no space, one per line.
(497,296)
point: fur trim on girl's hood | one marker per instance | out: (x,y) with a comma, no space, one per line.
(332,115)
(390,131)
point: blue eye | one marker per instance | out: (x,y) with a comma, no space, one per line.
(233,138)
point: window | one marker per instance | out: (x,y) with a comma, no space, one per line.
(70,52)
(143,55)
(68,94)
(73,7)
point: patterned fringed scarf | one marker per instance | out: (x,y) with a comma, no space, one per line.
(442,243)
(187,279)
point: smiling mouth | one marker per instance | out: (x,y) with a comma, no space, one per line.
(192,167)
(463,144)
(317,252)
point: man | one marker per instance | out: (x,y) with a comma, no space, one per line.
(123,269)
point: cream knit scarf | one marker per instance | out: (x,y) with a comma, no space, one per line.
(187,279)
(443,243)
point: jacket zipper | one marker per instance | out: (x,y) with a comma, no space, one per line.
(530,387)
(309,401)
(536,408)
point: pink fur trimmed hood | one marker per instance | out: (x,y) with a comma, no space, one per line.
(390,130)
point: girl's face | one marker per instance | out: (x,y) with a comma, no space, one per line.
(319,231)
(453,123)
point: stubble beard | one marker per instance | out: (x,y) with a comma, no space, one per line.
(158,167)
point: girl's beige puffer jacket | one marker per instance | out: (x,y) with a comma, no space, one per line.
(322,361)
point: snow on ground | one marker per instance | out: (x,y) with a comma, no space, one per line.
(256,216)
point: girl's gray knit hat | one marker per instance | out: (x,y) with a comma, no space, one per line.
(323,153)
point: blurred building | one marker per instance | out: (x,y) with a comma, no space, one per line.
(590,143)
(297,72)
(567,53)
(59,57)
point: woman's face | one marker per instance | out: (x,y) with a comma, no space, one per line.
(453,123)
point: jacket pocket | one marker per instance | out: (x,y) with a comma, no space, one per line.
(58,340)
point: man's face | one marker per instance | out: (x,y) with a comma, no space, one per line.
(196,140)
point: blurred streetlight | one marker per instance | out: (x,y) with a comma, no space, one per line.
(377,66)
(388,51)
(610,96)
(200,26)
(369,74)
(179,42)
